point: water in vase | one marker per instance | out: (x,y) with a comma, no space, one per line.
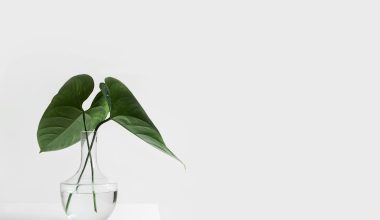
(82,205)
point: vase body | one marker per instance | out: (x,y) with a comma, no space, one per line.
(88,195)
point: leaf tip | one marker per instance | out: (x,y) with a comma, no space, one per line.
(183,164)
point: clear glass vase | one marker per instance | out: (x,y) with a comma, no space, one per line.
(88,195)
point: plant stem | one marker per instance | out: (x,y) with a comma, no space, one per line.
(68,202)
(85,164)
(88,147)
(94,199)
(92,165)
(92,143)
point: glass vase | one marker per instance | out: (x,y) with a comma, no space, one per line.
(88,195)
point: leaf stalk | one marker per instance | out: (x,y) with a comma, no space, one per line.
(89,156)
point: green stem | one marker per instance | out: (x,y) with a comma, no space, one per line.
(89,151)
(88,147)
(92,165)
(68,202)
(85,163)
(94,199)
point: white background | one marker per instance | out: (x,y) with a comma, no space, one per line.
(273,105)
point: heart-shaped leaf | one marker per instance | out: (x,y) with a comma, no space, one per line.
(127,111)
(62,121)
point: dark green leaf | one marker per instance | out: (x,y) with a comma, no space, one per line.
(62,121)
(106,93)
(98,111)
(126,110)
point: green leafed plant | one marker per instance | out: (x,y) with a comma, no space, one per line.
(65,118)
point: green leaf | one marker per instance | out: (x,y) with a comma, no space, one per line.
(106,93)
(98,111)
(126,111)
(62,121)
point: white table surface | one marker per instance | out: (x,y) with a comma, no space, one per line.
(46,211)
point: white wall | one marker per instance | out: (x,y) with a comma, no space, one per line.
(273,105)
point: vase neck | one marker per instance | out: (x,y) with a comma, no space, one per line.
(89,161)
(89,148)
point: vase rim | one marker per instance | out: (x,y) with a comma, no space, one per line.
(89,184)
